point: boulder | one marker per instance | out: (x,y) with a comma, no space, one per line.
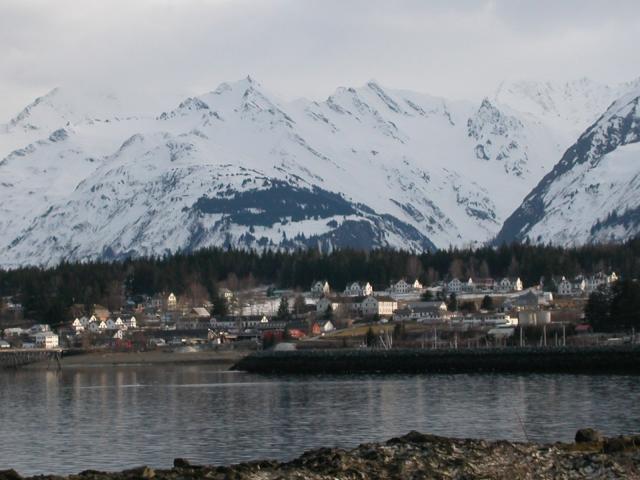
(588,435)
(9,475)
(181,463)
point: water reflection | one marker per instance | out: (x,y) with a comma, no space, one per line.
(114,418)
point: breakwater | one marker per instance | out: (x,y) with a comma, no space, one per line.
(619,359)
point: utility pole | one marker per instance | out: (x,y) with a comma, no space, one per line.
(564,335)
(544,335)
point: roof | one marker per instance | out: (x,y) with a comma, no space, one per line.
(384,298)
(201,312)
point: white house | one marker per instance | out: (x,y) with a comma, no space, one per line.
(510,285)
(400,286)
(417,285)
(102,326)
(38,328)
(119,335)
(327,327)
(379,305)
(13,332)
(599,279)
(455,286)
(172,301)
(325,302)
(46,339)
(132,323)
(565,287)
(77,325)
(357,290)
(319,289)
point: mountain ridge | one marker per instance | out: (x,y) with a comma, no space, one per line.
(411,171)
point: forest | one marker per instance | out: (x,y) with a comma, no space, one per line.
(47,293)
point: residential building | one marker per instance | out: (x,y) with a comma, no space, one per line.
(357,290)
(436,304)
(455,286)
(600,279)
(172,302)
(226,294)
(77,325)
(422,314)
(46,339)
(319,289)
(326,326)
(509,285)
(565,287)
(485,319)
(378,305)
(13,332)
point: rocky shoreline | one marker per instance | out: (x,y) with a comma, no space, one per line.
(417,456)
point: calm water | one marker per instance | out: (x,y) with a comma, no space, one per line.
(124,417)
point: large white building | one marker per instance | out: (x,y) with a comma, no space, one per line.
(378,305)
(366,305)
(46,339)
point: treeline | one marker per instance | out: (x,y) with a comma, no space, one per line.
(47,294)
(616,308)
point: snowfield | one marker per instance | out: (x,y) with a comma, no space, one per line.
(81,177)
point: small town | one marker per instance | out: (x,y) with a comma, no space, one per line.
(457,313)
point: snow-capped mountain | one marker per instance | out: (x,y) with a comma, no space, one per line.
(569,107)
(593,193)
(367,167)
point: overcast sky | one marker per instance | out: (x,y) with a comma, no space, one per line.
(171,48)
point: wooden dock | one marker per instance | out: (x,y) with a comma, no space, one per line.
(17,357)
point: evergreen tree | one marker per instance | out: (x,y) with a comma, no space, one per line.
(452,304)
(598,309)
(328,313)
(487,303)
(370,338)
(283,309)
(220,306)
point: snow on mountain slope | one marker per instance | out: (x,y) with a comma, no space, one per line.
(568,107)
(367,167)
(592,193)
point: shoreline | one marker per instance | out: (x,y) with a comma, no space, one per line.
(222,358)
(415,455)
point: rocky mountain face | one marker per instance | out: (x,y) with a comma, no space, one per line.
(81,178)
(593,193)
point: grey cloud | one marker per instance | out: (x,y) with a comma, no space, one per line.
(169,48)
